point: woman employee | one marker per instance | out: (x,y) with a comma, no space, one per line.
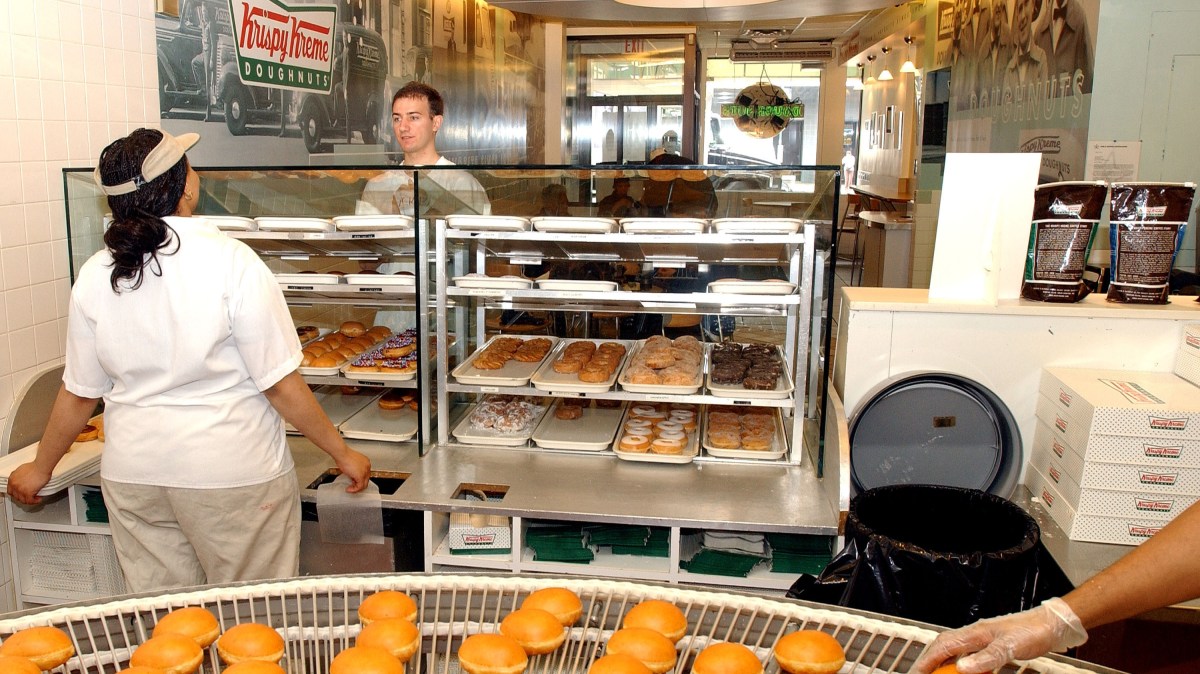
(185,335)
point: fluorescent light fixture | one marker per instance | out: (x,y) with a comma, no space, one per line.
(885,75)
(908,67)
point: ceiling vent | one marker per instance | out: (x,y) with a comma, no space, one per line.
(757,49)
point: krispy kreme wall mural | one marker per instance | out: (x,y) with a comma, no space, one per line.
(292,82)
(1021,78)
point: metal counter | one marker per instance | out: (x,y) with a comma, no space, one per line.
(730,496)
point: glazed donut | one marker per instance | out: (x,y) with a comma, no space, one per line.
(491,654)
(365,660)
(88,433)
(392,400)
(171,653)
(661,616)
(398,636)
(194,622)
(48,647)
(559,601)
(352,329)
(639,444)
(638,427)
(537,631)
(809,652)
(666,446)
(666,426)
(727,658)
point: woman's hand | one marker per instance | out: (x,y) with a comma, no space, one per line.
(26,481)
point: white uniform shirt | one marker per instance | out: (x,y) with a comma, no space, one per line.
(181,363)
(443,193)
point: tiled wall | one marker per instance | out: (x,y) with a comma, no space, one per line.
(74,74)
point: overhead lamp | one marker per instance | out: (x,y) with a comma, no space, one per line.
(908,67)
(885,75)
(885,50)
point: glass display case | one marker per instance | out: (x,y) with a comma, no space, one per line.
(632,264)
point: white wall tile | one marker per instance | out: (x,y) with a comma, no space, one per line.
(93,64)
(49,346)
(58,221)
(70,26)
(23,350)
(62,266)
(24,55)
(19,305)
(16,273)
(6,401)
(110,27)
(37,223)
(10,182)
(50,63)
(62,292)
(90,16)
(8,97)
(78,149)
(54,100)
(73,69)
(33,181)
(10,147)
(55,133)
(33,144)
(41,267)
(114,66)
(5,355)
(47,21)
(28,92)
(21,17)
(96,102)
(12,226)
(45,304)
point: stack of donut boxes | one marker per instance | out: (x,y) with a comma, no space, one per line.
(1116,453)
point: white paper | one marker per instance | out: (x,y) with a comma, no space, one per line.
(349,518)
(983,226)
(1113,161)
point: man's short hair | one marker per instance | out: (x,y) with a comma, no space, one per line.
(414,89)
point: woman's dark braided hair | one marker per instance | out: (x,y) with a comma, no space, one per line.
(138,232)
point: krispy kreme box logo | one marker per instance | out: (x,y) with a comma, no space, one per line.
(1055,474)
(1060,423)
(1165,479)
(1059,208)
(1048,498)
(1064,398)
(478,539)
(1163,451)
(1139,531)
(1168,423)
(1192,341)
(1154,505)
(1132,391)
(284,47)
(1057,448)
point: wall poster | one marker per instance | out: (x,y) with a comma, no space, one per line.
(1021,77)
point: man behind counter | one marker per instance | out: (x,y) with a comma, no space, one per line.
(417,115)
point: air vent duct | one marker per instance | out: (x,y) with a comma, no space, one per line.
(815,54)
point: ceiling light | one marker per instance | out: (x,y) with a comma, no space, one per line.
(692,4)
(885,75)
(908,67)
(885,50)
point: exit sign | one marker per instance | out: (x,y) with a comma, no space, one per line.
(633,45)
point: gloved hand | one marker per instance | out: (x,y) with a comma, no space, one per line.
(991,643)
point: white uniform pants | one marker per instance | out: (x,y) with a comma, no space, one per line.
(169,537)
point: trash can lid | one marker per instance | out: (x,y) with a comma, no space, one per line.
(939,429)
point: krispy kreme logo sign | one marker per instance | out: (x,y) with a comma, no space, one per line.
(1167,479)
(479,539)
(1153,505)
(1163,451)
(1064,398)
(1058,449)
(1168,424)
(1134,392)
(1137,531)
(282,46)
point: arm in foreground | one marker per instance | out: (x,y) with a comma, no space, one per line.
(1160,572)
(295,402)
(68,416)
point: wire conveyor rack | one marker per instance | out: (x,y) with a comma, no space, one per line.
(317,616)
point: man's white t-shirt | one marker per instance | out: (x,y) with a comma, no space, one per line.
(443,193)
(182,361)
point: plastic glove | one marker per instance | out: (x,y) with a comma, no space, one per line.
(993,642)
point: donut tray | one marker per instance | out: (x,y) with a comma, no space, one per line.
(317,617)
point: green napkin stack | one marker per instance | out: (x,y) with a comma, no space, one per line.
(559,543)
(95,511)
(799,554)
(721,563)
(626,539)
(720,553)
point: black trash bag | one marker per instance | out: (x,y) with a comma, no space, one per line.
(942,555)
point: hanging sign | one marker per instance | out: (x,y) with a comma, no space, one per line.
(762,110)
(282,46)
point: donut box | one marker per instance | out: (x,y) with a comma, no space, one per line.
(1121,530)
(1090,402)
(1187,360)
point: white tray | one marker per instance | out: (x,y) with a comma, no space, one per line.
(507,282)
(577,286)
(381,279)
(777,449)
(81,460)
(623,379)
(783,387)
(690,450)
(486,436)
(568,225)
(756,225)
(375,423)
(593,431)
(231,223)
(546,379)
(369,377)
(488,223)
(752,287)
(662,225)
(338,406)
(306,280)
(289,224)
(514,372)
(357,223)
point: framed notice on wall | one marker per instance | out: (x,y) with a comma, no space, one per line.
(1113,161)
